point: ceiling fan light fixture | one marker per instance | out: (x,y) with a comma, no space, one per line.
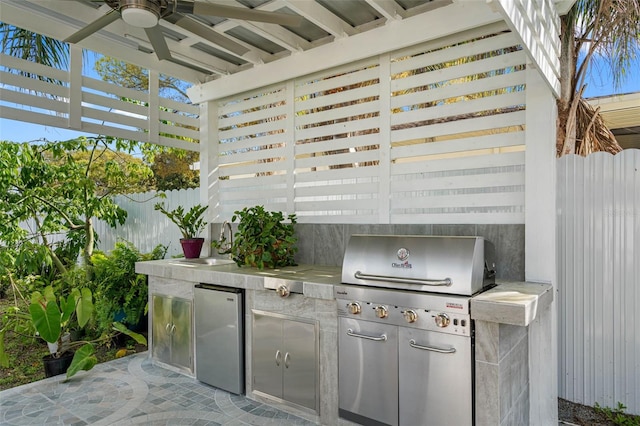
(139,17)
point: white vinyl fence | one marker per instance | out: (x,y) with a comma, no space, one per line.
(599,279)
(145,227)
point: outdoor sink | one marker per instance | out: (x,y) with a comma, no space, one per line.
(211,261)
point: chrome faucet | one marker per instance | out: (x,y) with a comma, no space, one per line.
(224,243)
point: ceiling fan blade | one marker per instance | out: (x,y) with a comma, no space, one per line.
(210,9)
(206,33)
(158,42)
(94,26)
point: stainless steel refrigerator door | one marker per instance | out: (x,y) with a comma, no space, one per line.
(435,383)
(219,339)
(368,371)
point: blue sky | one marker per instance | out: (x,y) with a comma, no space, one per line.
(598,84)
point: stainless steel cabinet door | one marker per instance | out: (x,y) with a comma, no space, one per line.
(160,328)
(171,331)
(181,334)
(368,370)
(435,383)
(300,363)
(267,354)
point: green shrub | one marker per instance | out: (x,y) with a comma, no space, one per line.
(117,287)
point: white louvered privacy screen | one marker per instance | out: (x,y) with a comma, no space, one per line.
(431,134)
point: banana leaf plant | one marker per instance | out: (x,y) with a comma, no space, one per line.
(52,317)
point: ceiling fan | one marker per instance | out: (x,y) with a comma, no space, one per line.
(147,14)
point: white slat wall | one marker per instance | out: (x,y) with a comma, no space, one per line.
(599,279)
(432,134)
(102,108)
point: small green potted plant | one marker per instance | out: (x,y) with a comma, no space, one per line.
(263,239)
(190,224)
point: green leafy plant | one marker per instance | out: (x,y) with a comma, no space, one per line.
(617,416)
(263,238)
(190,223)
(121,293)
(52,317)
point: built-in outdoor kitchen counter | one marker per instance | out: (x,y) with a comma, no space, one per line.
(502,316)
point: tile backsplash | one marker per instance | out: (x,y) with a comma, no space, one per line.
(324,244)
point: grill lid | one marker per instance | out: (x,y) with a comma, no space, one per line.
(453,265)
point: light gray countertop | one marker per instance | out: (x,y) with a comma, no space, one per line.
(515,303)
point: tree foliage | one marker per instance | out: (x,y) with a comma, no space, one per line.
(609,29)
(174,170)
(134,77)
(60,188)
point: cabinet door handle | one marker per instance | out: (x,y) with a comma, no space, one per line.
(173,328)
(381,338)
(287,357)
(413,344)
(167,327)
(278,358)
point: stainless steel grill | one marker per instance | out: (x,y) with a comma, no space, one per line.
(405,331)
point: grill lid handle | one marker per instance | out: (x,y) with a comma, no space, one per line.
(362,276)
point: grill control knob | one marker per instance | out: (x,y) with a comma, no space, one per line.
(442,320)
(410,315)
(283,291)
(354,308)
(381,311)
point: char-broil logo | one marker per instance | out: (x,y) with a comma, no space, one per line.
(454,305)
(403,255)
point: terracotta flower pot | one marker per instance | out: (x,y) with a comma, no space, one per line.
(191,247)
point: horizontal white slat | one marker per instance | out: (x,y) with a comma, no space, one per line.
(336,189)
(248,194)
(337,144)
(21,115)
(460,108)
(179,131)
(324,176)
(459,145)
(251,130)
(15,63)
(372,107)
(107,102)
(252,116)
(118,132)
(252,168)
(451,54)
(464,88)
(307,105)
(176,143)
(460,72)
(457,218)
(344,217)
(34,101)
(459,182)
(113,117)
(253,183)
(461,200)
(251,143)
(368,203)
(178,118)
(336,159)
(33,84)
(253,100)
(254,155)
(478,124)
(90,84)
(185,108)
(338,129)
(471,162)
(327,82)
